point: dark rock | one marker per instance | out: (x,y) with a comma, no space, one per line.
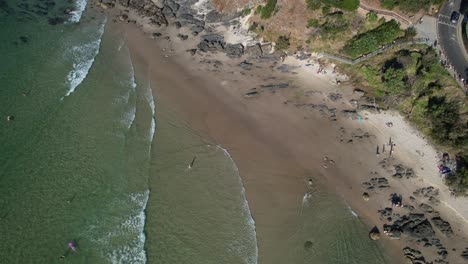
(442,225)
(56,20)
(385,213)
(24,39)
(376,183)
(401,171)
(286,68)
(173,5)
(464,254)
(303,56)
(412,253)
(426,208)
(443,253)
(182,37)
(186,19)
(246,65)
(192,51)
(252,93)
(352,114)
(426,192)
(275,86)
(369,108)
(335,96)
(374,234)
(196,30)
(177,24)
(159,19)
(254,51)
(123,17)
(168,12)
(433,200)
(211,42)
(156,35)
(234,50)
(416,228)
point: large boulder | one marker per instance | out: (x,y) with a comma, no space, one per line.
(234,50)
(374,234)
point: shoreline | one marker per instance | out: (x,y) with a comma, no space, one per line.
(299,111)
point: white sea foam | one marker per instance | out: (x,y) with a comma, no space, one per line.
(130,115)
(86,54)
(80,6)
(150,98)
(133,251)
(249,219)
(352,212)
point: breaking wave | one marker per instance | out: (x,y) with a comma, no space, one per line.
(86,54)
(246,210)
(133,251)
(80,6)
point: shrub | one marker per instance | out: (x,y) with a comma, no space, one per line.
(313,4)
(246,11)
(282,43)
(267,11)
(325,10)
(312,23)
(412,6)
(258,10)
(372,16)
(372,40)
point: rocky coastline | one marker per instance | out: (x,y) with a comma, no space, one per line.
(425,236)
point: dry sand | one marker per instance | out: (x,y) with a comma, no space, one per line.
(279,139)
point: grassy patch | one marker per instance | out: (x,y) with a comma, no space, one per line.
(268,9)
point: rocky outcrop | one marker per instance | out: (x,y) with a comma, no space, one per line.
(246,65)
(275,86)
(415,256)
(374,234)
(211,42)
(442,225)
(376,184)
(254,51)
(401,171)
(413,225)
(234,50)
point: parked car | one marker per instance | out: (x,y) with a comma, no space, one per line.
(454,17)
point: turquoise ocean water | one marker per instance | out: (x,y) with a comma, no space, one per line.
(91,157)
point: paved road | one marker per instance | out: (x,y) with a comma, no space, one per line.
(450,38)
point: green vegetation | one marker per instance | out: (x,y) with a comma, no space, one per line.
(414,82)
(412,6)
(334,24)
(373,39)
(312,23)
(325,10)
(282,43)
(268,9)
(246,11)
(258,10)
(372,17)
(347,5)
(314,4)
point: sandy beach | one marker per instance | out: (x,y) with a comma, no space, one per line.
(310,129)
